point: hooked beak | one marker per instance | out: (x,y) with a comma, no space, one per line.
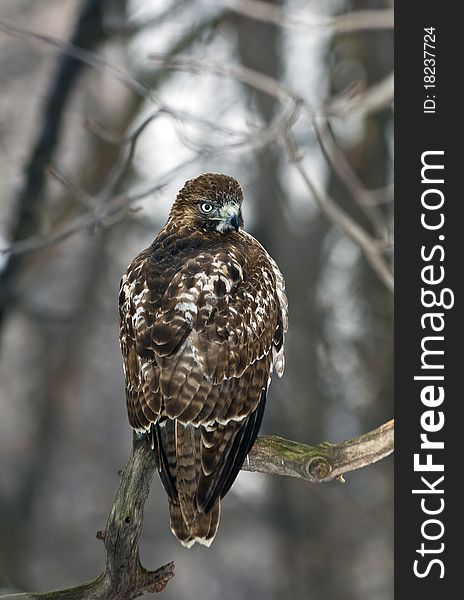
(230,218)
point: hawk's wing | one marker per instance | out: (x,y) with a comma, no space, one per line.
(202,353)
(138,359)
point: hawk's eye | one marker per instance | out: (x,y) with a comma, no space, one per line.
(206,207)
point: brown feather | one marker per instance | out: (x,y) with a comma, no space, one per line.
(203,530)
(203,316)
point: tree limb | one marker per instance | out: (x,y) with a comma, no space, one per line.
(360,20)
(374,98)
(371,249)
(125,578)
(317,464)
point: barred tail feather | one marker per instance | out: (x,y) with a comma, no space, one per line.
(202,530)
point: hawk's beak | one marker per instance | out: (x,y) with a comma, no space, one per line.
(230,218)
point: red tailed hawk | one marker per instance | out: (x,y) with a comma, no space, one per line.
(203,314)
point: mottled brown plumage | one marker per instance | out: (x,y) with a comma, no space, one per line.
(203,314)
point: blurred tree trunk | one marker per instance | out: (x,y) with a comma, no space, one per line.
(295,404)
(371,55)
(61,326)
(67,316)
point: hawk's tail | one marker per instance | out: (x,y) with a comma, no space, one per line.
(197,466)
(202,530)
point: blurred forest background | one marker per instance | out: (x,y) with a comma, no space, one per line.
(92,153)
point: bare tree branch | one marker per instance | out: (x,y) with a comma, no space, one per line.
(364,198)
(346,23)
(87,35)
(113,210)
(78,54)
(109,205)
(341,219)
(374,98)
(259,81)
(124,578)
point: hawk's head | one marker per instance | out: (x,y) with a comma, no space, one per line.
(211,202)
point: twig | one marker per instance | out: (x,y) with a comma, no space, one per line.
(79,54)
(137,24)
(109,205)
(259,81)
(376,97)
(365,197)
(75,191)
(348,176)
(345,23)
(373,99)
(117,207)
(122,168)
(255,138)
(341,219)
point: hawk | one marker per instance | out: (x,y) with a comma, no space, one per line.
(203,314)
